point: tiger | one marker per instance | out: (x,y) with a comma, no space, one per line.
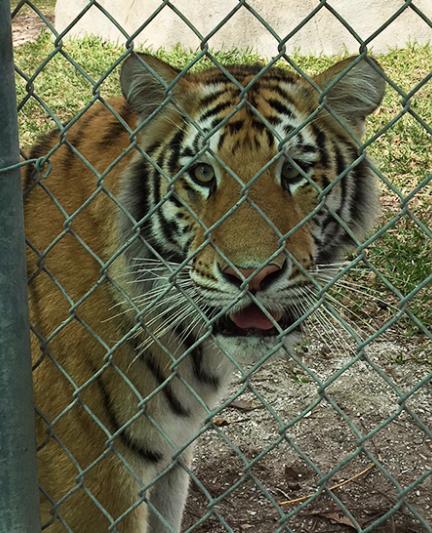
(171,237)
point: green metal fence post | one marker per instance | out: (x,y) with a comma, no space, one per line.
(18,480)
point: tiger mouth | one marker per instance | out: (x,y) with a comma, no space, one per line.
(251,321)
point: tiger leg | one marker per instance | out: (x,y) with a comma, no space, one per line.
(168,496)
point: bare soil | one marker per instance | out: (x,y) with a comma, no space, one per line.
(274,470)
(27,25)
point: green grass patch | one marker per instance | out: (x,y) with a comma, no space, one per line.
(46,6)
(402,152)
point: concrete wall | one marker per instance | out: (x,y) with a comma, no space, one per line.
(322,34)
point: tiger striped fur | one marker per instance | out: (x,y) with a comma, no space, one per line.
(131,352)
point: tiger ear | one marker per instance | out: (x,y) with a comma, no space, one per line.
(359,91)
(144,81)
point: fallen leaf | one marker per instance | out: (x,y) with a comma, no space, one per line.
(220,422)
(244,405)
(337,517)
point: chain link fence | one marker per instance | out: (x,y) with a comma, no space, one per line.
(336,436)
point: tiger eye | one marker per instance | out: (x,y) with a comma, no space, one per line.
(289,174)
(203,173)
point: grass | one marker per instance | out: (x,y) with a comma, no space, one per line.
(46,6)
(402,153)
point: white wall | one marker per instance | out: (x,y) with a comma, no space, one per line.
(322,34)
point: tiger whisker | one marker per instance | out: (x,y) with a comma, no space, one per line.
(368,293)
(329,328)
(335,301)
(169,286)
(156,278)
(136,307)
(330,311)
(166,326)
(154,260)
(168,310)
(153,295)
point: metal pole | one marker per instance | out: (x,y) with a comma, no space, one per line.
(18,481)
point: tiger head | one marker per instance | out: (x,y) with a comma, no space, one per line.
(247,178)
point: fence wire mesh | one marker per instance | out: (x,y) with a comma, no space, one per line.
(334,437)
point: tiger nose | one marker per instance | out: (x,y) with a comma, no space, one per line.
(259,281)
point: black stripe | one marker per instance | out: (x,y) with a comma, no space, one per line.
(168,255)
(152,148)
(280,107)
(359,199)
(129,442)
(221,141)
(215,110)
(214,123)
(187,228)
(187,152)
(175,405)
(325,181)
(168,228)
(174,199)
(246,70)
(258,125)
(196,142)
(317,241)
(327,255)
(209,99)
(199,372)
(238,71)
(278,90)
(216,78)
(273,120)
(321,142)
(278,75)
(308,148)
(235,126)
(175,146)
(139,189)
(188,243)
(340,168)
(242,71)
(270,138)
(340,161)
(288,129)
(138,203)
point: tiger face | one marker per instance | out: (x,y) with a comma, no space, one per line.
(249,179)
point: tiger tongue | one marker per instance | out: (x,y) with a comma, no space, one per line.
(253,317)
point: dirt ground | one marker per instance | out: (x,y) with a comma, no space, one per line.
(26,25)
(274,469)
